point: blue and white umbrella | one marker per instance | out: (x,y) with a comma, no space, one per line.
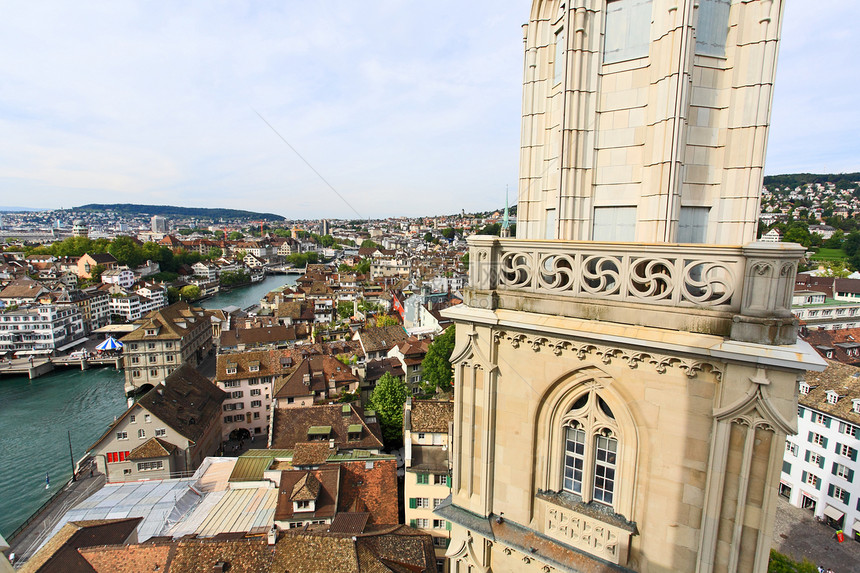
(110,344)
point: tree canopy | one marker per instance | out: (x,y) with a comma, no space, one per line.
(387,399)
(436,372)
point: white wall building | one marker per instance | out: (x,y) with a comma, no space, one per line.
(40,330)
(821,460)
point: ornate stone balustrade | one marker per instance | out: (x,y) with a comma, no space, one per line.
(743,286)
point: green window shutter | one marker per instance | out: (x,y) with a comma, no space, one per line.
(833,471)
(830,490)
(786,468)
(447,543)
(847,498)
(852,453)
(412,523)
(818,484)
(448,525)
(827,421)
(423,479)
(821,462)
(800,412)
(851,476)
(809,439)
(448,481)
(803,477)
(413,503)
(824,443)
(806,456)
(838,445)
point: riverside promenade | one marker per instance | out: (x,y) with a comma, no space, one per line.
(29,537)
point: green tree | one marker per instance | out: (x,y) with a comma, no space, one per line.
(436,371)
(190,292)
(428,237)
(214,253)
(780,563)
(126,251)
(798,233)
(363,267)
(344,309)
(96,273)
(235,236)
(448,233)
(387,399)
(851,243)
(172,294)
(386,320)
(368,244)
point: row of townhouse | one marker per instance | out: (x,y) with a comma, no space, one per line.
(40,329)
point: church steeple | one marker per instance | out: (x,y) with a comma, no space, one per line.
(506,220)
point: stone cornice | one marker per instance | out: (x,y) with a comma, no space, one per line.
(640,342)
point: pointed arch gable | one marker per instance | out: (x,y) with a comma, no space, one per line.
(549,430)
(756,400)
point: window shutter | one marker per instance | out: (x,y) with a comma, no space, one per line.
(818,483)
(806,456)
(850,476)
(852,454)
(838,447)
(827,421)
(448,525)
(413,503)
(823,442)
(833,471)
(412,523)
(448,481)
(830,490)
(786,467)
(803,477)
(821,462)
(847,497)
(809,439)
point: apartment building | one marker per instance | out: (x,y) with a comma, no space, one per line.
(39,329)
(426,438)
(248,379)
(166,433)
(820,461)
(165,339)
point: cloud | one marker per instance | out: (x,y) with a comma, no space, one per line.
(404,107)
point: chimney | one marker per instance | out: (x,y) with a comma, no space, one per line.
(219,567)
(272,536)
(331,443)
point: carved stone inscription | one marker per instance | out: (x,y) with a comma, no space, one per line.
(586,534)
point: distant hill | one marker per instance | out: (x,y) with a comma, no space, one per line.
(841,180)
(131,209)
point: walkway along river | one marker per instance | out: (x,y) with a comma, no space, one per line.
(36,414)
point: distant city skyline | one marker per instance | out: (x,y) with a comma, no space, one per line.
(405,109)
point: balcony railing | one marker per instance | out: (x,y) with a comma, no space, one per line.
(722,282)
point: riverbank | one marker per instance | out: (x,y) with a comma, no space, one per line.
(35,416)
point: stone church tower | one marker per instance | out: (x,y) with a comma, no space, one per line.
(626,367)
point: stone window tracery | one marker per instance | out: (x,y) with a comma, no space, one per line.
(591,449)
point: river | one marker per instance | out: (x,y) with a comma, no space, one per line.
(246,296)
(36,414)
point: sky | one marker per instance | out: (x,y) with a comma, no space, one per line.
(377,108)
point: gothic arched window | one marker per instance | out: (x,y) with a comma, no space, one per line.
(591,449)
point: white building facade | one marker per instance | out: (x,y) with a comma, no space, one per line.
(820,462)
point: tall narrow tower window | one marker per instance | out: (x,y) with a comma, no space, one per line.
(590,450)
(712,27)
(614,224)
(558,61)
(693,224)
(628,30)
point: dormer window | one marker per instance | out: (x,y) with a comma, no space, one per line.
(855,405)
(832,397)
(254,367)
(150,332)
(804,388)
(231,368)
